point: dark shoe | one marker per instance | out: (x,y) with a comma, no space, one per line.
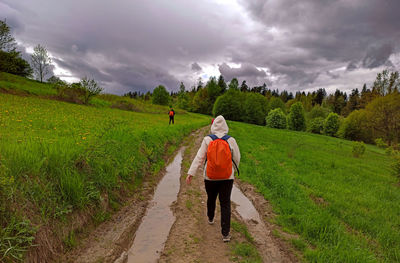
(211,222)
(226,238)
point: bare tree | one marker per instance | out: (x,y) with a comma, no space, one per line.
(7,42)
(41,62)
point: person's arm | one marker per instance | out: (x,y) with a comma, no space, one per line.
(197,161)
(235,151)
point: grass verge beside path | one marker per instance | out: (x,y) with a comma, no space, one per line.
(345,209)
(58,158)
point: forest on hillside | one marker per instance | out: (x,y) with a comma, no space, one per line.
(369,115)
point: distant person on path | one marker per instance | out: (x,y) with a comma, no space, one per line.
(171,114)
(221,156)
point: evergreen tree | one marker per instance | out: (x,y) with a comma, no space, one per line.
(244,87)
(7,42)
(222,84)
(234,84)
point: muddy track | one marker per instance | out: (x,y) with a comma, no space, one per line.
(191,238)
(111,239)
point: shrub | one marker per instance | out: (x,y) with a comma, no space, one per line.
(316,125)
(160,96)
(355,127)
(380,143)
(229,105)
(383,114)
(71,93)
(254,108)
(318,112)
(276,119)
(91,89)
(331,124)
(125,105)
(396,165)
(358,149)
(391,151)
(201,102)
(296,119)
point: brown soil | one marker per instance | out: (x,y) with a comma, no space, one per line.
(192,239)
(110,239)
(275,242)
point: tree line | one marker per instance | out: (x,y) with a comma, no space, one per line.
(364,115)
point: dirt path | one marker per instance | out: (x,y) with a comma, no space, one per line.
(108,241)
(192,239)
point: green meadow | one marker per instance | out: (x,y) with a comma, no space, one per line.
(344,209)
(58,158)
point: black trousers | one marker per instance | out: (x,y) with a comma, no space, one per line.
(223,190)
(171,118)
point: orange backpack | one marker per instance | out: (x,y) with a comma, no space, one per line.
(219,158)
(171,113)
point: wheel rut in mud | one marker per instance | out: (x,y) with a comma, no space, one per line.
(141,231)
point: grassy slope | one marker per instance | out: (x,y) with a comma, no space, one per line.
(346,209)
(57,158)
(23,86)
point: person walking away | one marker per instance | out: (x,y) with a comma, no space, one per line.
(171,114)
(221,156)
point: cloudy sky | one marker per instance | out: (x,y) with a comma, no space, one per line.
(131,45)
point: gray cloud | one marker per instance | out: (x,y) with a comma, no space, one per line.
(139,45)
(196,67)
(377,56)
(246,70)
(331,29)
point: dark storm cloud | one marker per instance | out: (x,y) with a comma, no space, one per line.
(149,41)
(137,45)
(196,67)
(315,35)
(377,56)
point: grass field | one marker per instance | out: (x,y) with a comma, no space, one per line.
(22,86)
(57,158)
(344,209)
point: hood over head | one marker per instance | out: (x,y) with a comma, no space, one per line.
(219,126)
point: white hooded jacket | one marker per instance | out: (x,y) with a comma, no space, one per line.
(219,128)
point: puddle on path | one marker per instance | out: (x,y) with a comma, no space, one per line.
(153,231)
(244,206)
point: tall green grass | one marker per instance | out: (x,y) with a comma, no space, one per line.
(346,208)
(23,85)
(59,157)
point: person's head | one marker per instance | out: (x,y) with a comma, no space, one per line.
(219,126)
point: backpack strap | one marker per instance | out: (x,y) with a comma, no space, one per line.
(213,136)
(226,137)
